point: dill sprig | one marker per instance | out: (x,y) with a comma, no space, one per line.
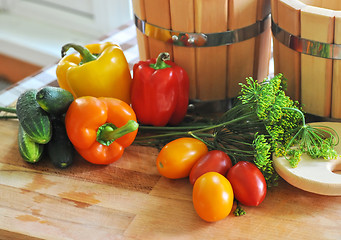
(239,211)
(264,121)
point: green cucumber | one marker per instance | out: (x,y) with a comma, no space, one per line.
(29,150)
(33,119)
(54,100)
(60,149)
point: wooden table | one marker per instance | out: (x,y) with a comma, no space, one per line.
(130,200)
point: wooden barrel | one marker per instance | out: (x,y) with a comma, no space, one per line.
(306,34)
(214,71)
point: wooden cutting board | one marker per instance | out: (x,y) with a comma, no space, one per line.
(130,200)
(314,175)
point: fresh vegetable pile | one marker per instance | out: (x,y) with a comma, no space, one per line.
(225,158)
(89,113)
(262,122)
(216,182)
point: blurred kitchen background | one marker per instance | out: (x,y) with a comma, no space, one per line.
(32,32)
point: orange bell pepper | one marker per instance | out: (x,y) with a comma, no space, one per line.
(100,128)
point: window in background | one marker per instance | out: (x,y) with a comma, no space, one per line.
(34,30)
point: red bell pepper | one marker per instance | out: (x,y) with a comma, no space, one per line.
(160,90)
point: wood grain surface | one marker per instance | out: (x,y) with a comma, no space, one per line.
(158,11)
(130,200)
(182,17)
(290,61)
(336,84)
(317,24)
(262,43)
(240,63)
(142,40)
(275,42)
(211,62)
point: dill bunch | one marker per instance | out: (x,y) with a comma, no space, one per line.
(264,121)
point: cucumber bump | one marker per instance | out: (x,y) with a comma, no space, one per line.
(33,119)
(29,150)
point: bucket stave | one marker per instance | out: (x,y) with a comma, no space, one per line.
(306,34)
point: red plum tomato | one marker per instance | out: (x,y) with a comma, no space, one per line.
(177,157)
(213,161)
(212,197)
(248,183)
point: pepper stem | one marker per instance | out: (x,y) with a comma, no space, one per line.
(108,132)
(160,61)
(84,52)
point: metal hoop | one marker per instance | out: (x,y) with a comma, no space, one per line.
(187,39)
(306,46)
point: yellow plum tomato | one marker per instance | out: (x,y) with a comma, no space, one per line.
(177,157)
(212,197)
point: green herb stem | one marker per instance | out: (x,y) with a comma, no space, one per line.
(8,109)
(293,139)
(197,137)
(8,117)
(299,111)
(175,128)
(187,130)
(162,135)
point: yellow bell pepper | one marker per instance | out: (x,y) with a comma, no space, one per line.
(98,70)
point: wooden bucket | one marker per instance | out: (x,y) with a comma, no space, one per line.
(306,34)
(214,70)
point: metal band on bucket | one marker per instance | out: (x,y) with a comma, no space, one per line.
(306,46)
(187,39)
